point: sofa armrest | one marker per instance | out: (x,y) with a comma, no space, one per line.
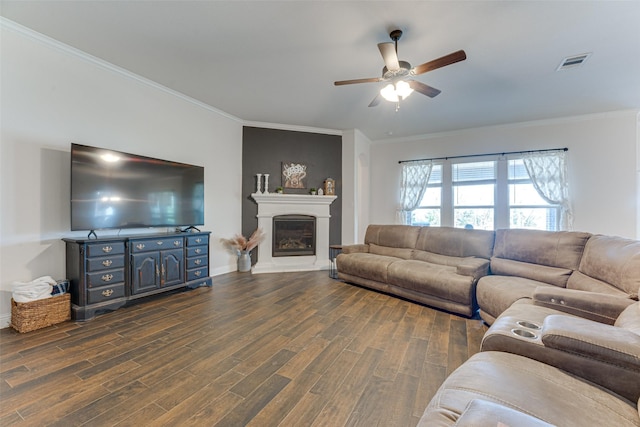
(482,413)
(352,249)
(595,306)
(474,267)
(607,344)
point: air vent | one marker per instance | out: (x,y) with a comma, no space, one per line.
(573,61)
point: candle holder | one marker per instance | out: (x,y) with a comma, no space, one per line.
(259,183)
(266,183)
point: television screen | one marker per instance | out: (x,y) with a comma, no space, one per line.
(112,190)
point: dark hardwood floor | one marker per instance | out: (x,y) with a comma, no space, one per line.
(294,349)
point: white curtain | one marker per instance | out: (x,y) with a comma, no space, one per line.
(415,176)
(548,173)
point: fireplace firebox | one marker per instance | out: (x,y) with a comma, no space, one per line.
(294,235)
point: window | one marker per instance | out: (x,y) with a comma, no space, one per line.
(495,192)
(526,208)
(474,188)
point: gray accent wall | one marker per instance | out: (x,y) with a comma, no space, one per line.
(264,151)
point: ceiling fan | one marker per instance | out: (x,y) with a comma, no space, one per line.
(398,73)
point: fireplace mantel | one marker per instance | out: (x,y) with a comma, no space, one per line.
(288,199)
(274,204)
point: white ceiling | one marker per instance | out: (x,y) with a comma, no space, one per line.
(276,61)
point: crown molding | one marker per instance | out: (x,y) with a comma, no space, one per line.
(294,128)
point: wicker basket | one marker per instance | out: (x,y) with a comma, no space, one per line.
(29,316)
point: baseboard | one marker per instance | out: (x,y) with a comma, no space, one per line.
(5,320)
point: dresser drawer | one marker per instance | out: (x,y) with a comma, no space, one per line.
(197,250)
(103,278)
(102,249)
(197,262)
(197,240)
(197,273)
(156,244)
(105,293)
(108,263)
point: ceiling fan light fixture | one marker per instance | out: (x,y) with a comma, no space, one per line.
(403,89)
(392,93)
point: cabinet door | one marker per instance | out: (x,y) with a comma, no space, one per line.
(172,267)
(145,272)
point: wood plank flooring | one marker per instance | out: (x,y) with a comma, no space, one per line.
(293,349)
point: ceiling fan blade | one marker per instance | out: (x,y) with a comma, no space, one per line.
(424,89)
(388,51)
(375,101)
(452,58)
(350,82)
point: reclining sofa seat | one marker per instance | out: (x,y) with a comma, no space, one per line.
(437,266)
(523,260)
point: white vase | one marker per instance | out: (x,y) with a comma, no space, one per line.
(244,262)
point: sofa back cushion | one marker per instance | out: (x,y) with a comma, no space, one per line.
(456,242)
(545,256)
(612,260)
(562,249)
(392,236)
(404,253)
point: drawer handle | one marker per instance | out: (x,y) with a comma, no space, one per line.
(198,250)
(140,246)
(107,249)
(198,240)
(176,243)
(107,293)
(159,242)
(197,262)
(107,277)
(198,273)
(107,262)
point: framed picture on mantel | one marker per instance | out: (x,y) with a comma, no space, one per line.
(293,175)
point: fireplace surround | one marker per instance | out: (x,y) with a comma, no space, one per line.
(299,206)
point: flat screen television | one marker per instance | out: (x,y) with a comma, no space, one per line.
(115,190)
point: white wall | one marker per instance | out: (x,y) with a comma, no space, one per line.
(602,164)
(355,186)
(53,95)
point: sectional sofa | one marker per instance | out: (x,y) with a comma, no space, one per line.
(563,347)
(468,271)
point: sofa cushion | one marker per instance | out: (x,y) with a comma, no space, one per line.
(456,242)
(433,279)
(393,236)
(366,265)
(482,413)
(630,319)
(496,293)
(582,282)
(613,260)
(404,253)
(562,249)
(528,386)
(541,273)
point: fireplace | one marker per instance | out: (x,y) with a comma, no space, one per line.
(294,235)
(302,211)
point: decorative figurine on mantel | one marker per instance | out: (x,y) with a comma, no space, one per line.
(329,187)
